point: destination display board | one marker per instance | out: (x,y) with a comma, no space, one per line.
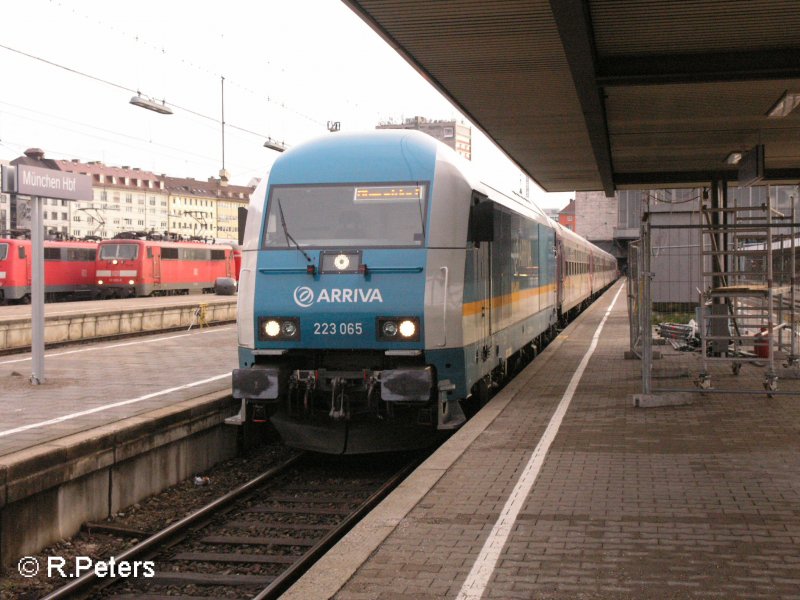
(388,192)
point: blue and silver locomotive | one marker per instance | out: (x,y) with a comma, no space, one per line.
(383,291)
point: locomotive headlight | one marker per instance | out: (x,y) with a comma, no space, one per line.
(289,328)
(114,262)
(131,282)
(279,328)
(408,328)
(272,328)
(99,282)
(398,329)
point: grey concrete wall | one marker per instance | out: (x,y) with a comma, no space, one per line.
(16,333)
(676,255)
(595,215)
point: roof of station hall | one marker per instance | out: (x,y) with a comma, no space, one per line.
(607,94)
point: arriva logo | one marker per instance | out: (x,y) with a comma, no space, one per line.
(304,295)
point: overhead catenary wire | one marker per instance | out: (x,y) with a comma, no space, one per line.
(139,39)
(128,141)
(96,128)
(127,89)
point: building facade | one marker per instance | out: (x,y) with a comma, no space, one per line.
(452,133)
(205,209)
(128,199)
(566,216)
(124,199)
(5,206)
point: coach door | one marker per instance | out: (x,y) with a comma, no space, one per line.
(481,233)
(156,264)
(483,285)
(25,257)
(560,264)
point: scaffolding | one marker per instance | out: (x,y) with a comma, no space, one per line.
(634,294)
(749,302)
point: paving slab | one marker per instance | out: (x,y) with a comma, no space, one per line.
(689,501)
(92,385)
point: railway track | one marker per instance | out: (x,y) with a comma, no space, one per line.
(255,541)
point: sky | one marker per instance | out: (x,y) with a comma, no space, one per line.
(71,67)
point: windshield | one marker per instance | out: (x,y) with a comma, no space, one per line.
(123,251)
(3,251)
(346,215)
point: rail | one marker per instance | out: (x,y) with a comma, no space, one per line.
(327,510)
(81,584)
(294,572)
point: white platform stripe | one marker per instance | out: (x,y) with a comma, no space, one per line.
(478,578)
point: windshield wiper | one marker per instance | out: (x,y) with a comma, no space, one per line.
(288,235)
(421,216)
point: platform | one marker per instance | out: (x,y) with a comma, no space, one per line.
(67,322)
(561,488)
(113,423)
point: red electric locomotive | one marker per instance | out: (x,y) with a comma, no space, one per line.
(136,267)
(68,270)
(237,255)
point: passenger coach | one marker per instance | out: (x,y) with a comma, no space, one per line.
(384,291)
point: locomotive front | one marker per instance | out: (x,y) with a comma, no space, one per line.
(337,282)
(119,268)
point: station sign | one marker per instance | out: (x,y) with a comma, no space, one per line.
(46,183)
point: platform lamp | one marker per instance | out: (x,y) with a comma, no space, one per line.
(150,104)
(275,145)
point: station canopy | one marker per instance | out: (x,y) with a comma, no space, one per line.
(607,94)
